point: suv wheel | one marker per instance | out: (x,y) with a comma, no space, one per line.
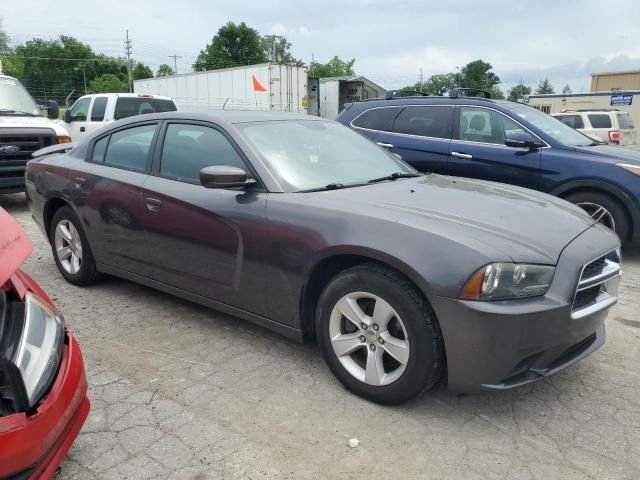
(379,335)
(607,210)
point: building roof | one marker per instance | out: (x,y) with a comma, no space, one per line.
(623,72)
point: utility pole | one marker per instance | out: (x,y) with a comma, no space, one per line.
(420,80)
(127,51)
(175,63)
(521,96)
(274,53)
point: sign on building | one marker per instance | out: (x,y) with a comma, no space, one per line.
(621,99)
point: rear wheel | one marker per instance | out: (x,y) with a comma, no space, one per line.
(605,209)
(379,335)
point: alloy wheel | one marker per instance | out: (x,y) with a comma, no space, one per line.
(599,213)
(68,246)
(369,338)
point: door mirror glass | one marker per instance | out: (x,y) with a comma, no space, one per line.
(521,139)
(224,177)
(52,109)
(67,116)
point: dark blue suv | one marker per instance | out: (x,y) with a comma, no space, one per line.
(507,142)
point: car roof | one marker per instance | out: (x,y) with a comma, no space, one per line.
(223,116)
(127,95)
(425,100)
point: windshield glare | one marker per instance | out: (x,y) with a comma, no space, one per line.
(309,154)
(13,96)
(549,125)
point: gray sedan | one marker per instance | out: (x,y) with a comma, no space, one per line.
(307,228)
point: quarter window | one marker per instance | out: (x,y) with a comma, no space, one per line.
(189,148)
(99,148)
(80,110)
(425,121)
(377,118)
(130,148)
(486,126)
(98,109)
(600,120)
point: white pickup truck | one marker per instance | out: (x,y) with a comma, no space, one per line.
(92,112)
(23,130)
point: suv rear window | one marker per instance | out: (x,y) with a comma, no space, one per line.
(600,120)
(425,121)
(574,121)
(624,119)
(377,118)
(130,106)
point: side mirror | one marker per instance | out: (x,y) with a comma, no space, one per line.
(521,140)
(67,116)
(224,177)
(53,111)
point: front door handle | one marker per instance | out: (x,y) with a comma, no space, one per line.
(153,204)
(466,156)
(79,182)
(82,129)
(385,145)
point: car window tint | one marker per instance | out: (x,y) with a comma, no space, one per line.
(80,110)
(189,148)
(98,109)
(130,148)
(377,118)
(574,121)
(99,148)
(486,126)
(130,106)
(624,119)
(600,120)
(424,121)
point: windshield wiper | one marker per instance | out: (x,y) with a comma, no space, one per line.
(8,111)
(395,176)
(330,186)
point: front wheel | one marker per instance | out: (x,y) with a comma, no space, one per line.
(605,209)
(379,335)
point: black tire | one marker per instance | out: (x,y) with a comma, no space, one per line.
(87,274)
(613,206)
(426,359)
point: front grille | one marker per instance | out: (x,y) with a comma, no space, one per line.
(595,288)
(17,145)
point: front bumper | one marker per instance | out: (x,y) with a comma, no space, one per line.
(499,345)
(33,447)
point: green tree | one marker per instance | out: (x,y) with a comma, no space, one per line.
(11,65)
(281,47)
(496,93)
(336,67)
(108,83)
(140,71)
(544,87)
(165,70)
(566,89)
(438,85)
(478,74)
(232,46)
(519,91)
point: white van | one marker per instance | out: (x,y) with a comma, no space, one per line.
(92,112)
(610,126)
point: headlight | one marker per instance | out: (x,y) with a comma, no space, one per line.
(508,281)
(631,168)
(40,348)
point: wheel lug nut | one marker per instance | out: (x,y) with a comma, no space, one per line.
(363,326)
(375,327)
(380,340)
(372,347)
(362,338)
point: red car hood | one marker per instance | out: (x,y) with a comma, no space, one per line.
(15,247)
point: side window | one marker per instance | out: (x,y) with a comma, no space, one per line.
(98,109)
(99,148)
(130,148)
(425,121)
(189,148)
(600,120)
(486,126)
(80,110)
(573,121)
(377,118)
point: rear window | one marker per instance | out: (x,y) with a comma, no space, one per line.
(574,121)
(624,119)
(425,121)
(130,106)
(600,120)
(377,118)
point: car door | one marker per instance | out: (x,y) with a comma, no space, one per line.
(106,192)
(78,115)
(478,149)
(96,118)
(420,135)
(205,241)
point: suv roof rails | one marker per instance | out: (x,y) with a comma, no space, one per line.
(392,93)
(455,92)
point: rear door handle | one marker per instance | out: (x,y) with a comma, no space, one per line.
(79,182)
(461,155)
(385,145)
(153,204)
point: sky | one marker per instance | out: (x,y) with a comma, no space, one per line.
(564,40)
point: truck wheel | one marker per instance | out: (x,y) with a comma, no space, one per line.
(606,209)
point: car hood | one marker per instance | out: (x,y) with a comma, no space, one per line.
(15,247)
(525,225)
(612,154)
(7,121)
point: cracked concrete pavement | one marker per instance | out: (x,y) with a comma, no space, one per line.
(182,392)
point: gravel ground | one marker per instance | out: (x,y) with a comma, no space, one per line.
(182,392)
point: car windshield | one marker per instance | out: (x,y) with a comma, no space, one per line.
(549,125)
(15,100)
(312,154)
